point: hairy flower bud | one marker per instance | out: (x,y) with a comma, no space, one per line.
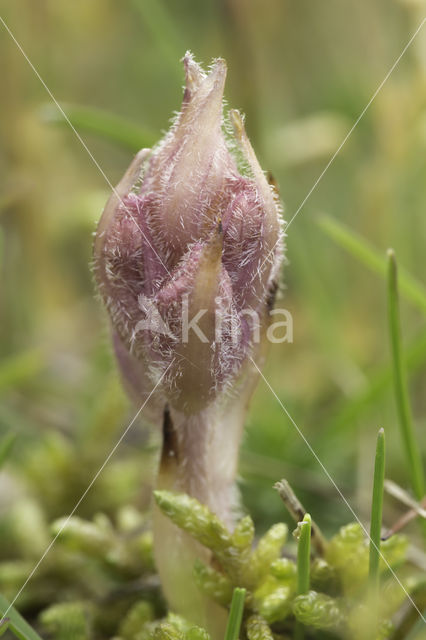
(187,253)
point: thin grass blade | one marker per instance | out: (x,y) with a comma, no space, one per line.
(377,510)
(412,452)
(304,556)
(16,622)
(346,416)
(6,446)
(163,31)
(235,614)
(303,566)
(358,247)
(103,124)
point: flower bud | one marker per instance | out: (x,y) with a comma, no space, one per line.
(187,253)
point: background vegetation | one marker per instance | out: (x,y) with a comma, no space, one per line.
(302,72)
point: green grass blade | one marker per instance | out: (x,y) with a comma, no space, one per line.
(304,556)
(346,416)
(303,566)
(163,31)
(103,124)
(4,626)
(17,623)
(412,452)
(6,445)
(358,247)
(235,614)
(377,510)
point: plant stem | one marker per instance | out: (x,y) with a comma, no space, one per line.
(235,614)
(412,452)
(195,461)
(377,510)
(304,556)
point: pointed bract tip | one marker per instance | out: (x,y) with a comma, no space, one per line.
(218,74)
(219,63)
(193,72)
(237,121)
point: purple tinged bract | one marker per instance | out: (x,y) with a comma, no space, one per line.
(185,235)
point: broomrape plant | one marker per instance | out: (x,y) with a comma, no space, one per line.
(187,258)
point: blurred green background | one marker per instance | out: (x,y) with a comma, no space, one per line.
(302,72)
